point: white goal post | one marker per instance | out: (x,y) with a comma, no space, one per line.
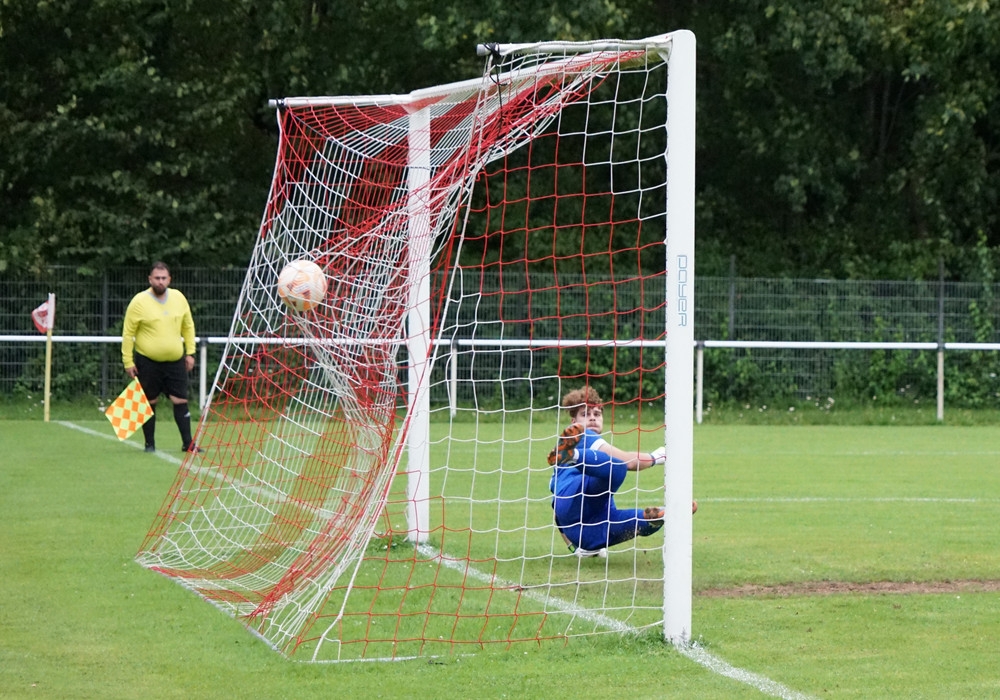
(678,478)
(348,505)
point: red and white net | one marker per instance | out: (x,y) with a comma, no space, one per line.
(488,246)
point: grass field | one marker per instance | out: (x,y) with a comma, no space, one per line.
(830,561)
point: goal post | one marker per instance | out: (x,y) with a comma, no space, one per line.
(418,330)
(375,478)
(679,406)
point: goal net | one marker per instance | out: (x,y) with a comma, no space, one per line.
(375,480)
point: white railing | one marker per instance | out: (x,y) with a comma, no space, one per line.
(699,345)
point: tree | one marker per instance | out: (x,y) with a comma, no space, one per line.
(855,138)
(848,138)
(125,137)
(140,130)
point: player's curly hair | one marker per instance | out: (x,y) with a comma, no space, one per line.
(580,399)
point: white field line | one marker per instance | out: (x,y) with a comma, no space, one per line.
(854,453)
(546,600)
(845,499)
(693,651)
(754,680)
(722,499)
(255,489)
(105,436)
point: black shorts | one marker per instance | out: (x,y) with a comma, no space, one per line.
(170,378)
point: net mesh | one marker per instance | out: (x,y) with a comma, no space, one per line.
(300,517)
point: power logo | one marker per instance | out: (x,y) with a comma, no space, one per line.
(682,292)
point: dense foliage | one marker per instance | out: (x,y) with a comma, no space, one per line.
(840,138)
(853,139)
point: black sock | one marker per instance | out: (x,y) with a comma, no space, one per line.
(183,419)
(149,430)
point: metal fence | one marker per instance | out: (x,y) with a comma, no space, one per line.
(839,314)
(95,306)
(788,312)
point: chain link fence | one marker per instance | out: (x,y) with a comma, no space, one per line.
(95,306)
(734,308)
(849,311)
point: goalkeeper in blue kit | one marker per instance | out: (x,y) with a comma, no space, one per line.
(587,473)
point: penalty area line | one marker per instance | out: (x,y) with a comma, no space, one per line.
(844,499)
(713,663)
(692,652)
(255,489)
(132,445)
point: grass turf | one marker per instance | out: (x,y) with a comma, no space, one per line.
(779,505)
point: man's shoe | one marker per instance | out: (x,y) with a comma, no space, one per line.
(601,553)
(654,513)
(191,447)
(150,448)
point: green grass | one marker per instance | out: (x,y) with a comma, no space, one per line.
(780,504)
(829,412)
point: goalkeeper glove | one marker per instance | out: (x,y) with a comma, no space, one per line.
(659,455)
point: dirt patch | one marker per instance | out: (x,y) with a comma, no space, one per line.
(836,587)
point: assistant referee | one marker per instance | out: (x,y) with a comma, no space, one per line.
(158,346)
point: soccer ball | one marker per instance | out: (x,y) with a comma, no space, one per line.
(302,285)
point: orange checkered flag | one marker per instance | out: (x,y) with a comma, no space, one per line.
(129,411)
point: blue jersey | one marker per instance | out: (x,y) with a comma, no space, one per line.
(567,478)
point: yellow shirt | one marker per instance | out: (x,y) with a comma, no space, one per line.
(161,330)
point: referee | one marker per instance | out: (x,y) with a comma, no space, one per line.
(158,347)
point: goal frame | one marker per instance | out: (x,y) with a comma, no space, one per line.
(679,407)
(412,445)
(680,308)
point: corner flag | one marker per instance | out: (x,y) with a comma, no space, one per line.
(129,411)
(44,318)
(45,315)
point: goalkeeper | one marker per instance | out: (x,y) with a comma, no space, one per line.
(587,472)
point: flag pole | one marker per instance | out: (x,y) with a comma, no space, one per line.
(48,353)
